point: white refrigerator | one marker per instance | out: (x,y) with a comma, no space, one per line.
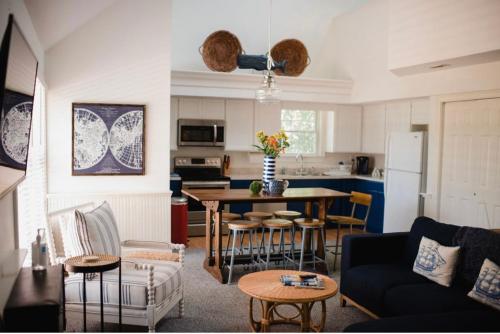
(404,179)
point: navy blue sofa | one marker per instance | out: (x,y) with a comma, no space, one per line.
(377,276)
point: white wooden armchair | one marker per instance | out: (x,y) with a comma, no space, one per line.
(150,287)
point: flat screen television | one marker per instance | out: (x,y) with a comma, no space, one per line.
(18,70)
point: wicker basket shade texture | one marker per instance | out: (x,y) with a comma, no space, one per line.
(220,51)
(295,54)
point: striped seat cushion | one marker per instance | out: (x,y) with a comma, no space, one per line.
(102,230)
(167,279)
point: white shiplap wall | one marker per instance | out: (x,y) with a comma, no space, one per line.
(458,32)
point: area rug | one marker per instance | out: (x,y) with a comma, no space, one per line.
(213,307)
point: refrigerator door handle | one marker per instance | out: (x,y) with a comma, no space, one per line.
(426,195)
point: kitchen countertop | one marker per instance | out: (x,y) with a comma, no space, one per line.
(307,177)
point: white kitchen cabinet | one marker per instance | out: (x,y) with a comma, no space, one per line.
(267,118)
(174,115)
(373,129)
(397,117)
(239,125)
(201,108)
(343,129)
(420,111)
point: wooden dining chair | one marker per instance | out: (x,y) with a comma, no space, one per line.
(356,199)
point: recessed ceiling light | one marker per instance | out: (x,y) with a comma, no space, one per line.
(439,66)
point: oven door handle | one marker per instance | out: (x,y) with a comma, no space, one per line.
(196,184)
(215,134)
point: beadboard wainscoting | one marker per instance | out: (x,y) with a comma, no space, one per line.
(140,216)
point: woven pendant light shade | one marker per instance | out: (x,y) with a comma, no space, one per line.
(220,51)
(295,54)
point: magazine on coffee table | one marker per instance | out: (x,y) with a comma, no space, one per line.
(303,281)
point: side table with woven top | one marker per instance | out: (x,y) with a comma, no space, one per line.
(266,287)
(92,264)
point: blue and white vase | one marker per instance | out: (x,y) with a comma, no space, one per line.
(269,172)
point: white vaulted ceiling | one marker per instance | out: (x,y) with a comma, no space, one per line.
(307,20)
(55,19)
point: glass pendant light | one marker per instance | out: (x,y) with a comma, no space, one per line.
(268,92)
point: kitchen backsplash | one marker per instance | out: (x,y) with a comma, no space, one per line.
(251,163)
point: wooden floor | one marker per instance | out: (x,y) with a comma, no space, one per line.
(331,235)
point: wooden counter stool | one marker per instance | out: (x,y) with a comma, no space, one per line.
(237,227)
(357,198)
(229,216)
(289,215)
(272,225)
(257,216)
(310,225)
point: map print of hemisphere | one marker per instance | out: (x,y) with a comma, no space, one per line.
(108,139)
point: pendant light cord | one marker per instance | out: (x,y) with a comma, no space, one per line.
(269,59)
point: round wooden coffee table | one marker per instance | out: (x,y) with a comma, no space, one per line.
(266,287)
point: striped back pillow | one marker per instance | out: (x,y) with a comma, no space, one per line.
(102,230)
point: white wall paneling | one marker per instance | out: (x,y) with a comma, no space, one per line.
(427,33)
(397,116)
(243,86)
(373,130)
(239,125)
(139,216)
(373,81)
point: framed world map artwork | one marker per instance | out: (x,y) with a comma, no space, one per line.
(15,126)
(108,139)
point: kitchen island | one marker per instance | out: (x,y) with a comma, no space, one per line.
(214,199)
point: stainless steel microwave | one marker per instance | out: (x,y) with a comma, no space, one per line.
(201,132)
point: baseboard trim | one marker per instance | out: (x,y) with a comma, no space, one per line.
(361,308)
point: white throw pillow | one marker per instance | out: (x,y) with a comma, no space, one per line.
(436,262)
(69,232)
(102,230)
(486,290)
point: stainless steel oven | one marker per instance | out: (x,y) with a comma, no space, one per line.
(200,173)
(201,132)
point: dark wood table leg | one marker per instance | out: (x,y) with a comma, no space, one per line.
(84,304)
(213,261)
(102,301)
(209,236)
(63,298)
(120,295)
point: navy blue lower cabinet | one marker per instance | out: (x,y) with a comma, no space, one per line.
(240,208)
(376,217)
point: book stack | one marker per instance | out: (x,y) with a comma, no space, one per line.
(303,281)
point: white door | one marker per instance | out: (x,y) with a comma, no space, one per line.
(373,130)
(402,200)
(404,151)
(239,125)
(470,177)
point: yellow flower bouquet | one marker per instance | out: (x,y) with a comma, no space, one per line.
(272,145)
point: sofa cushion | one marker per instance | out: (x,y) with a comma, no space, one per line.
(476,245)
(461,321)
(486,290)
(367,284)
(427,227)
(167,278)
(427,298)
(436,262)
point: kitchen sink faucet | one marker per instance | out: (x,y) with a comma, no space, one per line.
(300,157)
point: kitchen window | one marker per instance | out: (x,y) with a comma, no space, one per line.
(301,126)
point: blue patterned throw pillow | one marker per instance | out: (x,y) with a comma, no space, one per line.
(486,290)
(436,262)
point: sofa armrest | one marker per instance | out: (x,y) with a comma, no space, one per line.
(372,249)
